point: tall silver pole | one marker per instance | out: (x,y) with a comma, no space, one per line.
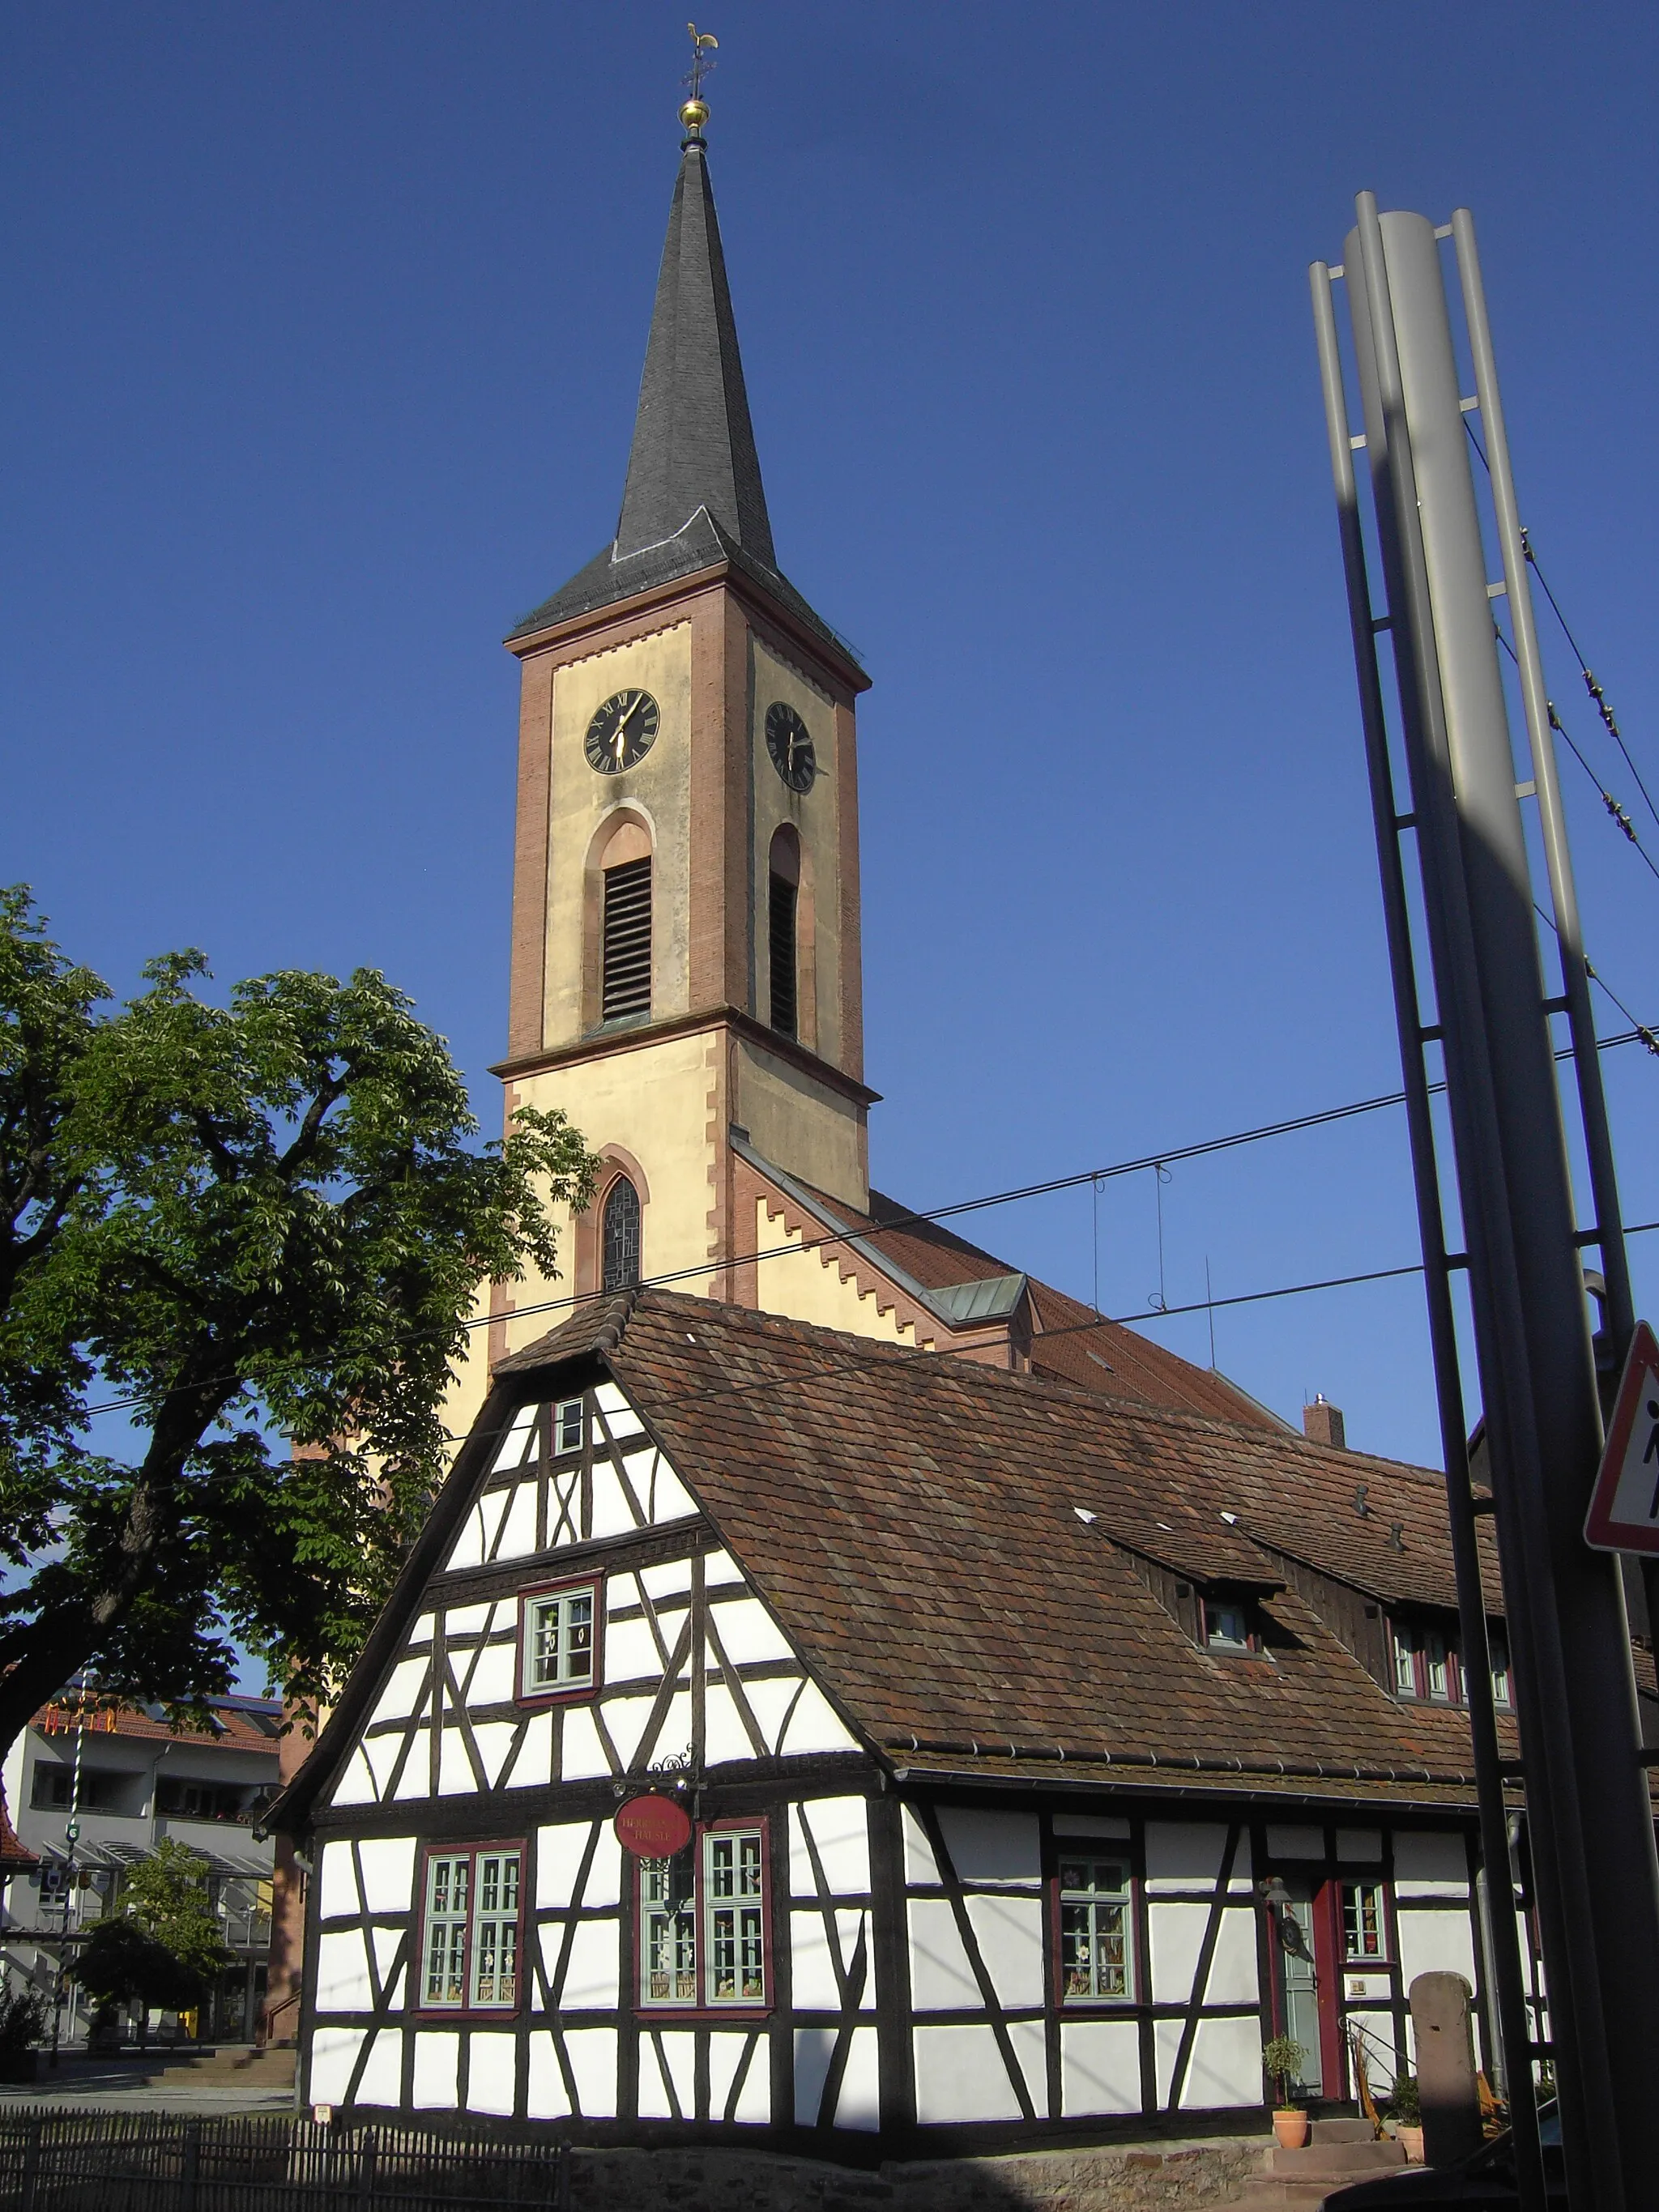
(1597,1879)
(1503,1944)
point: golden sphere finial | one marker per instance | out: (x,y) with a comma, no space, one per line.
(693,114)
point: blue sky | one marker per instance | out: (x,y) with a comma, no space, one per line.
(325,326)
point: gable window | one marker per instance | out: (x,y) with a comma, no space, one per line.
(620,1237)
(625,984)
(471,1947)
(1364,1936)
(703,1922)
(558,1632)
(1226,1624)
(568,1426)
(1096,1924)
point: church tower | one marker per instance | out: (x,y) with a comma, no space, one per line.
(685,963)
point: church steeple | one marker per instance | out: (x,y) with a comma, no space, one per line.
(694,444)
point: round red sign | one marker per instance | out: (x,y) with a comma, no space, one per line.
(653,1827)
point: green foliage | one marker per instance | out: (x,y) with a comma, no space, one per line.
(1405,2102)
(168,1896)
(23,2017)
(1282,2060)
(118,1964)
(256,1225)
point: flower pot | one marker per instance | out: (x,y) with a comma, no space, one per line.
(1289,2128)
(1411,2142)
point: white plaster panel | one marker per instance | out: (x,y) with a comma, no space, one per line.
(612,1515)
(1434,1943)
(669,1498)
(1175,1933)
(1379,2048)
(605,1876)
(858,2105)
(998,1847)
(590,1981)
(839,1829)
(1364,1846)
(516,1442)
(626,1719)
(593,2054)
(719,1568)
(437,2070)
(1429,1863)
(1183,1855)
(1091,1824)
(814,1725)
(679,2057)
(467,1621)
(813,1966)
(455,1776)
(1166,2046)
(564,1507)
(495,1742)
(337,1882)
(1295,1842)
(620,1417)
(380,1756)
(725,1736)
(814,2048)
(1009,1933)
(519,1536)
(421,1631)
(415,1780)
(584,1754)
(1234,1978)
(919,1864)
(356,1785)
(1099,2067)
(342,1982)
(533,1767)
(630,1652)
(382,2079)
(960,2075)
(547,2098)
(467,1550)
(726,2056)
(333,2054)
(491,2071)
(668,1577)
(385,1942)
(388,1863)
(637,1468)
(748,1635)
(558,1859)
(397,1700)
(1225,2065)
(941,1979)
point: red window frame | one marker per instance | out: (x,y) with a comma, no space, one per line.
(702,2008)
(559,1694)
(467,2010)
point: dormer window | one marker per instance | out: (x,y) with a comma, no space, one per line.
(1428,1664)
(568,1426)
(1227,1625)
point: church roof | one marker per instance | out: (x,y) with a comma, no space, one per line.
(694,497)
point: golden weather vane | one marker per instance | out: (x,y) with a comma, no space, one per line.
(695,113)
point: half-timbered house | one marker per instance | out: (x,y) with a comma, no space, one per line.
(1035,1755)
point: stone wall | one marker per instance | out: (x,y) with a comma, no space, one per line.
(1121,2178)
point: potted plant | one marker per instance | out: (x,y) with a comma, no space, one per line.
(1282,2060)
(22,2023)
(1406,2110)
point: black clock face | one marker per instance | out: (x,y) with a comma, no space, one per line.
(623,731)
(790,746)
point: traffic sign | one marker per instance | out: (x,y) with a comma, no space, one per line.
(1624,1507)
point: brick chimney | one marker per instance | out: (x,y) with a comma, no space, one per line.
(1323,1422)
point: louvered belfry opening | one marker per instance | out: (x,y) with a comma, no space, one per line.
(626,988)
(783,932)
(620,1237)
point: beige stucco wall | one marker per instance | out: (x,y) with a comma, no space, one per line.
(799,1125)
(658,788)
(815,815)
(807,1285)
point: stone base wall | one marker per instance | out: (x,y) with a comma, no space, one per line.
(1120,2178)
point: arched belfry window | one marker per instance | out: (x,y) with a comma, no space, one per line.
(625,985)
(620,1236)
(783,901)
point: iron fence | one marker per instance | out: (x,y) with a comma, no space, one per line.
(163,2162)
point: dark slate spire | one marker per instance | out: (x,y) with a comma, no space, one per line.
(694,444)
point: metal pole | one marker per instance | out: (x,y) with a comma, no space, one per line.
(1564,896)
(1591,1824)
(1514,2033)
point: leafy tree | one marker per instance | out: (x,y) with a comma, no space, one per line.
(245,1224)
(117,1963)
(168,1895)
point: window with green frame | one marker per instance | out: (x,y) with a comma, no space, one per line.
(1097,1930)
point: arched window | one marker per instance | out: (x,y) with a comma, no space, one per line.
(625,985)
(783,898)
(620,1237)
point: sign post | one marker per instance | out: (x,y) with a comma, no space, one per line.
(1624,1507)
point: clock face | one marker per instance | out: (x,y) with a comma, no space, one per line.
(622,732)
(790,744)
